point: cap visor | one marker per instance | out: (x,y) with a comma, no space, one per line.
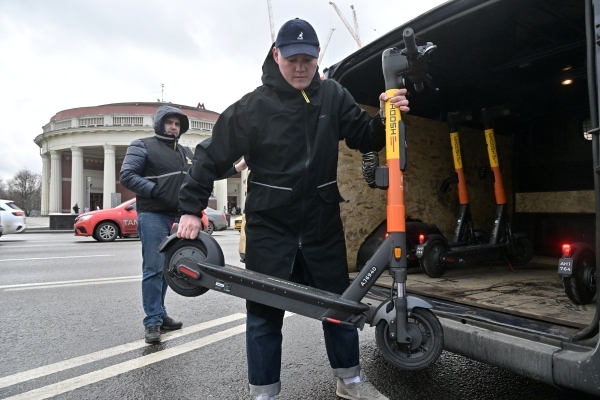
(293,49)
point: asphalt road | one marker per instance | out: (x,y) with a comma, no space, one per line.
(71,328)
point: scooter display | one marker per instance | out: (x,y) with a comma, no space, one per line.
(436,253)
(408,334)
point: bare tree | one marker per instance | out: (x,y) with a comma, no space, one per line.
(25,189)
(3,190)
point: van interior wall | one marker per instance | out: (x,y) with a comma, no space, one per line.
(430,162)
(554,179)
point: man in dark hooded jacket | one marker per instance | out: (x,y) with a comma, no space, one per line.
(288,130)
(153,169)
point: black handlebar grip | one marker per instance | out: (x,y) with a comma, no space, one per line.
(409,42)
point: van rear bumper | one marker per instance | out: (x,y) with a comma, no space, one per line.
(535,349)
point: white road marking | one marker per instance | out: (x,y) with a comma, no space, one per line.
(102,354)
(73,284)
(55,258)
(127,366)
(7,244)
(94,280)
(114,370)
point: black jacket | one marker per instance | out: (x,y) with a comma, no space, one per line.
(154,167)
(291,148)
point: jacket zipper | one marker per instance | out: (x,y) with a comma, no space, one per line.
(305,96)
(307,163)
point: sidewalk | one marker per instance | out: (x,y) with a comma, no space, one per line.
(41,225)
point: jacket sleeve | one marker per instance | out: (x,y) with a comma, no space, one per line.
(132,170)
(361,131)
(214,158)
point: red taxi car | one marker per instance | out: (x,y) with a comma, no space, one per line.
(107,225)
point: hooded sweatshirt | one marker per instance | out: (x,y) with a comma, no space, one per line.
(154,167)
(289,139)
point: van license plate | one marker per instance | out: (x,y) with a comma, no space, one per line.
(565,267)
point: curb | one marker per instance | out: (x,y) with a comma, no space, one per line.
(47,230)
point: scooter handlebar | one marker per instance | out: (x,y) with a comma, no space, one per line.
(410,62)
(409,41)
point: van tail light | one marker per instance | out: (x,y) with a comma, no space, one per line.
(421,239)
(17,213)
(566,250)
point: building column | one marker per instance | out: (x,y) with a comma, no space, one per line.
(221,194)
(77,178)
(243,186)
(55,182)
(110,182)
(45,182)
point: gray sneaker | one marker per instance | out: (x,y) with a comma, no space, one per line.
(262,397)
(362,390)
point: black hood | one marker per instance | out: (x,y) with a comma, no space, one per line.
(164,112)
(272,76)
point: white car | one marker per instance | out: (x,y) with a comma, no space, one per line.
(12,218)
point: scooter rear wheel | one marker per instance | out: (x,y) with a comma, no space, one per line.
(524,252)
(430,262)
(581,286)
(418,355)
(191,249)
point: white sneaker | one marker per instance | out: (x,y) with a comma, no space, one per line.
(362,390)
(262,397)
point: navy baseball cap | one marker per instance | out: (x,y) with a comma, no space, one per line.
(297,37)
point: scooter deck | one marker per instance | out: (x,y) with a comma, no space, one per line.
(472,254)
(279,293)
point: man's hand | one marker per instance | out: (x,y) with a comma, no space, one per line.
(189,226)
(398,100)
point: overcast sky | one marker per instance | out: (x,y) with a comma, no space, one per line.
(61,54)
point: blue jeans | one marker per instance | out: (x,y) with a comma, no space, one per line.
(263,351)
(152,229)
(263,342)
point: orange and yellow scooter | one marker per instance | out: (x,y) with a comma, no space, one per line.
(407,333)
(437,254)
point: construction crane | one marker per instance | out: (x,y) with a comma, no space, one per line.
(325,46)
(353,32)
(271,21)
(358,41)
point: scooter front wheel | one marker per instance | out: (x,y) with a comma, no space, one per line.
(190,249)
(420,353)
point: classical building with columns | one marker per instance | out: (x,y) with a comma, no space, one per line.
(82,151)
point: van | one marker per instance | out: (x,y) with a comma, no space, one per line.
(539,60)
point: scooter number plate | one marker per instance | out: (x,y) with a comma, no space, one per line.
(565,267)
(419,250)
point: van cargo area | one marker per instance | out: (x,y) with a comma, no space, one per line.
(531,57)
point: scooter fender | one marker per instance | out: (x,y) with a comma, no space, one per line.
(578,248)
(382,312)
(520,235)
(214,253)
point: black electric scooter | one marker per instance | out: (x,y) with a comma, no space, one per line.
(408,334)
(516,249)
(464,233)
